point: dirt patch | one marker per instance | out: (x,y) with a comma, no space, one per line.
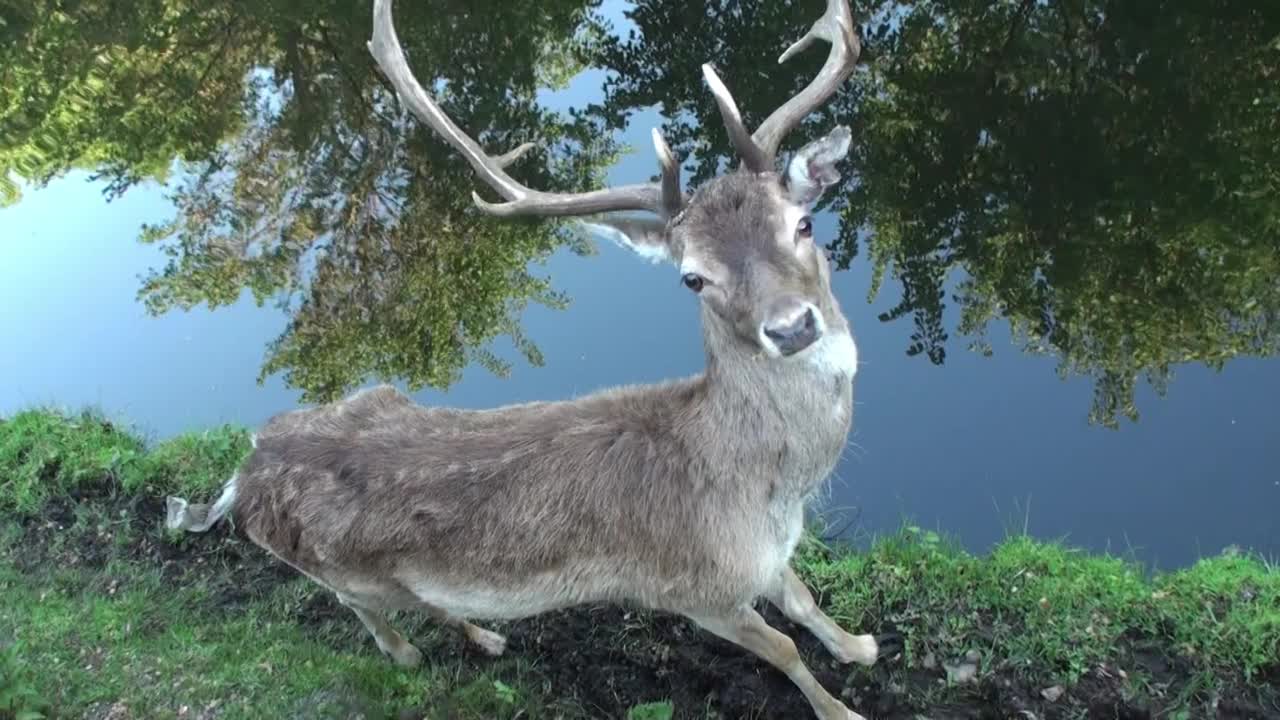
(665,657)
(607,659)
(90,532)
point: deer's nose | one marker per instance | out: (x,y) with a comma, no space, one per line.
(794,334)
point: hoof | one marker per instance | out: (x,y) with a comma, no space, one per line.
(888,644)
(490,642)
(862,649)
(837,711)
(406,656)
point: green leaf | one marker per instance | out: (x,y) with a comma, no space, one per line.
(652,711)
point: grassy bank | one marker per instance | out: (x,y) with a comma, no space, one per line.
(103,614)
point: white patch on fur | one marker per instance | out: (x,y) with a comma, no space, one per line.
(228,497)
(794,529)
(179,515)
(652,253)
(791,217)
(777,554)
(831,354)
(834,353)
(690,265)
(486,603)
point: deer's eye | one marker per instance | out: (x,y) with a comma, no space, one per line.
(693,281)
(805,228)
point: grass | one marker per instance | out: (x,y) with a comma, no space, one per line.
(46,454)
(102,612)
(1057,611)
(156,650)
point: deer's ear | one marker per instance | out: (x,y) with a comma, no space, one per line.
(813,169)
(647,237)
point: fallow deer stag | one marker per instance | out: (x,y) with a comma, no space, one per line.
(685,496)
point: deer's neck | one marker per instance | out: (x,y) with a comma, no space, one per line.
(783,422)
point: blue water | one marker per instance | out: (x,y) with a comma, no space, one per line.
(975,448)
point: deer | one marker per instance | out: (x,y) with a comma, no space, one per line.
(686,496)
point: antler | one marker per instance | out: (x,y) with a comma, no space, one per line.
(759,150)
(664,198)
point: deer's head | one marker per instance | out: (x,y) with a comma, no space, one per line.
(743,241)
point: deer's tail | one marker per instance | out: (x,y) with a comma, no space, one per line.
(199,517)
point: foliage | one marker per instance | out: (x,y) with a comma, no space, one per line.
(1103,177)
(301,179)
(119,88)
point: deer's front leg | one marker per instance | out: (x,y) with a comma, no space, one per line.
(796,602)
(746,628)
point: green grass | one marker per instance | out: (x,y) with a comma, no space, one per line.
(20,698)
(46,454)
(1050,611)
(156,649)
(91,618)
(1224,612)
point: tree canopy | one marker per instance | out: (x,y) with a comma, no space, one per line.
(1103,176)
(296,173)
(121,89)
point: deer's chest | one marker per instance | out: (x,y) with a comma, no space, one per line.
(813,435)
(786,524)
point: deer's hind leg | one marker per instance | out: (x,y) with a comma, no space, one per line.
(388,639)
(441,604)
(487,640)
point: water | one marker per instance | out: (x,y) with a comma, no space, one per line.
(975,446)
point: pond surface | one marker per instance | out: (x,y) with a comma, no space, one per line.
(1103,207)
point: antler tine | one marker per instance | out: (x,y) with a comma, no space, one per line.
(751,154)
(759,150)
(514,155)
(836,27)
(672,198)
(520,200)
